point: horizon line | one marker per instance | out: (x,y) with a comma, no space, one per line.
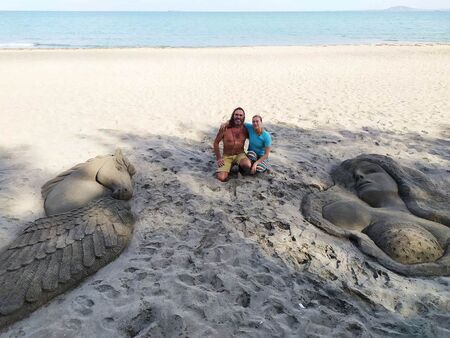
(390,9)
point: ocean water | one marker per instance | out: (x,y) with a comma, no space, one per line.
(202,29)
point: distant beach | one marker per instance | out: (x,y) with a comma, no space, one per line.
(219,29)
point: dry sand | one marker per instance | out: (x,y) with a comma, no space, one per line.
(237,259)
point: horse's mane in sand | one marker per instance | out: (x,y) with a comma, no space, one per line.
(48,186)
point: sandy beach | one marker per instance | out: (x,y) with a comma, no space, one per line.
(211,259)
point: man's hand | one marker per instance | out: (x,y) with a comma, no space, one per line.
(220,162)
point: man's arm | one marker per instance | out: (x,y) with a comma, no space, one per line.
(217,140)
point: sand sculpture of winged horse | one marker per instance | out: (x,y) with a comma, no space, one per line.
(88,225)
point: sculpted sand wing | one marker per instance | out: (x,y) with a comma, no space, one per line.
(81,234)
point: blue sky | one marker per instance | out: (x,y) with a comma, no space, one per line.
(217,5)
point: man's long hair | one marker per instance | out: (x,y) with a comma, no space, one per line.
(231,121)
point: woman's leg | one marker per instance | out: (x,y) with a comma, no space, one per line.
(252,156)
(261,167)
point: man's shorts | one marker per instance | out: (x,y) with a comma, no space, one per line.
(230,160)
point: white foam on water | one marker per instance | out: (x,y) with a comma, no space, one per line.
(17,45)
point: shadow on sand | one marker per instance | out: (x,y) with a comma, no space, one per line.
(20,182)
(178,198)
(203,248)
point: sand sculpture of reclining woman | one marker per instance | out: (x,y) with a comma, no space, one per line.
(392,213)
(88,224)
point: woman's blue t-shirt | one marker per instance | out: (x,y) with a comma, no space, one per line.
(257,143)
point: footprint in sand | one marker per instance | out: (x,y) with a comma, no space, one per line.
(107,290)
(108,322)
(83,305)
(73,324)
(172,326)
(243,299)
(152,322)
(139,323)
(165,154)
(264,279)
(213,280)
(187,279)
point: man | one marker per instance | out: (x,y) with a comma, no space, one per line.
(233,135)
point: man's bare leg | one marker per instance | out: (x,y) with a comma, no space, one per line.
(222,176)
(245,165)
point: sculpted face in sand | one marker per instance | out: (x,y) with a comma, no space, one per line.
(89,226)
(392,213)
(374,185)
(233,137)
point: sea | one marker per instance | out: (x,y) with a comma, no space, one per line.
(219,29)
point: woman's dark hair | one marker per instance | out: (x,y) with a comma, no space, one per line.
(231,121)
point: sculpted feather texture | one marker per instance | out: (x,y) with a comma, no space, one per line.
(55,253)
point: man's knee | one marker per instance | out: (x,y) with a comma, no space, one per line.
(222,176)
(245,163)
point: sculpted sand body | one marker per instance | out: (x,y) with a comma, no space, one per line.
(55,253)
(393,214)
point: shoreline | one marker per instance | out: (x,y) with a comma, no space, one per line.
(376,44)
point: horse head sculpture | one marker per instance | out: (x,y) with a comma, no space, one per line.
(100,176)
(116,174)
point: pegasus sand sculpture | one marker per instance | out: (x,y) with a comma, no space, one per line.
(88,225)
(392,213)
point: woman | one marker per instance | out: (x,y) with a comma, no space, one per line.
(392,213)
(260,142)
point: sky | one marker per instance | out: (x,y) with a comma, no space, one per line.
(217,5)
